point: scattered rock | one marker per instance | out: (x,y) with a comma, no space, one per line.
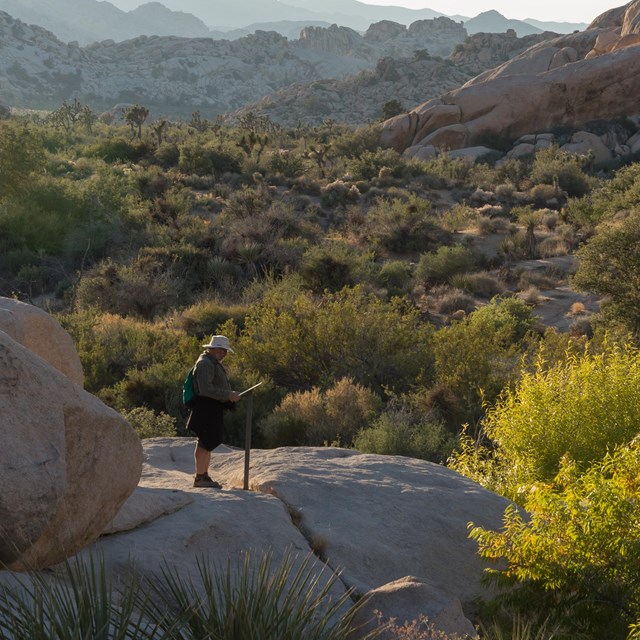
(409,599)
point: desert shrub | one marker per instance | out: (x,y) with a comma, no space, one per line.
(514,247)
(203,159)
(354,143)
(441,265)
(167,155)
(286,162)
(316,418)
(202,318)
(580,407)
(338,193)
(452,301)
(447,169)
(109,346)
(300,342)
(478,356)
(539,278)
(610,266)
(543,194)
(505,191)
(402,430)
(575,555)
(478,284)
(149,424)
(403,227)
(555,167)
(329,267)
(621,193)
(118,150)
(66,218)
(395,276)
(553,247)
(458,217)
(368,165)
(124,290)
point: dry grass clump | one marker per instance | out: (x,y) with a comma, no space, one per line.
(505,192)
(531,296)
(478,284)
(552,247)
(453,300)
(544,194)
(539,279)
(487,225)
(577,309)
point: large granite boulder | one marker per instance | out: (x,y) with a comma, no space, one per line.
(67,463)
(570,80)
(42,334)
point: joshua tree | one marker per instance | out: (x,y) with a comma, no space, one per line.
(135,117)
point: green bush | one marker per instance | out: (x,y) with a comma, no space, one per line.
(573,559)
(330,267)
(610,266)
(621,193)
(403,226)
(149,424)
(203,318)
(395,276)
(478,356)
(565,170)
(483,285)
(125,290)
(404,431)
(300,341)
(118,150)
(444,263)
(204,159)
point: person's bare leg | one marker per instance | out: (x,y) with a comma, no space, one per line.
(202,459)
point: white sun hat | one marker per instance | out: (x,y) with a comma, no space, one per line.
(219,342)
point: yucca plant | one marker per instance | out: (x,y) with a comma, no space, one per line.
(83,602)
(260,601)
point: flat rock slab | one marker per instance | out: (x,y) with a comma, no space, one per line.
(379,518)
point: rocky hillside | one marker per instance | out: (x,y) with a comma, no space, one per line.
(359,99)
(175,76)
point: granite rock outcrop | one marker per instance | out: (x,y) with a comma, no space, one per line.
(569,80)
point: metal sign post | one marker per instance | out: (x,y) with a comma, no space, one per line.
(247,438)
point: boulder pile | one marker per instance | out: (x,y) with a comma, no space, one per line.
(569,81)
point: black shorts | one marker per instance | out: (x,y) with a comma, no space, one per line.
(206,421)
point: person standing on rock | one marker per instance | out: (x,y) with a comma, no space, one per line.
(213,396)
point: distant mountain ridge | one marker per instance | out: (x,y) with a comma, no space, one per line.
(87,21)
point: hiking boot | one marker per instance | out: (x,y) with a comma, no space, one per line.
(204,480)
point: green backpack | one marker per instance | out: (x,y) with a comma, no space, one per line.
(188,392)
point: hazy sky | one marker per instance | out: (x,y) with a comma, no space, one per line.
(556,10)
